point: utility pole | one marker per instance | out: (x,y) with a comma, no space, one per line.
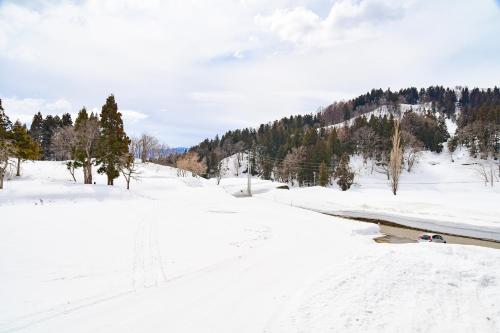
(249,174)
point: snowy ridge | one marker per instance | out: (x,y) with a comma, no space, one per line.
(386,110)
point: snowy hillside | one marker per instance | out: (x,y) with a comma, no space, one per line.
(385,110)
(182,255)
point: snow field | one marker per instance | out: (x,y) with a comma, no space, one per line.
(182,255)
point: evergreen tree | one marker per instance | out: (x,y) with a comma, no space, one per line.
(25,148)
(310,137)
(334,144)
(344,174)
(48,127)
(323,174)
(36,128)
(66,120)
(113,142)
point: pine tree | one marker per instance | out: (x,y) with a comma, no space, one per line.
(323,174)
(25,148)
(344,174)
(113,143)
(36,128)
(310,137)
(48,127)
(66,120)
(334,144)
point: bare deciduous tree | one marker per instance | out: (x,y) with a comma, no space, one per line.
(87,135)
(237,163)
(382,164)
(160,152)
(412,149)
(484,170)
(366,141)
(147,144)
(64,143)
(290,167)
(190,162)
(396,158)
(127,166)
(219,167)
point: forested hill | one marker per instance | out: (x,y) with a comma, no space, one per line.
(311,140)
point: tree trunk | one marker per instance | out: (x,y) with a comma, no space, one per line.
(87,172)
(110,181)
(1,181)
(72,172)
(18,173)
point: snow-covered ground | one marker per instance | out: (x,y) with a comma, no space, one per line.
(182,255)
(438,195)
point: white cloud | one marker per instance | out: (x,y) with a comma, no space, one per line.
(197,68)
(23,109)
(347,20)
(132,116)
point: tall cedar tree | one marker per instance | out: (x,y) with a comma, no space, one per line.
(36,128)
(323,174)
(66,120)
(49,125)
(344,174)
(113,142)
(25,148)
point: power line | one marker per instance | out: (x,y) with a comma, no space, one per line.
(279,161)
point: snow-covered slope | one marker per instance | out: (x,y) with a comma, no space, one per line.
(386,110)
(181,255)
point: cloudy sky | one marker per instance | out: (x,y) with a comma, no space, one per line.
(184,70)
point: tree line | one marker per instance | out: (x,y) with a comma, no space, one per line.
(440,99)
(93,140)
(310,150)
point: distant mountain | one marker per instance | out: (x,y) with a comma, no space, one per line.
(178,150)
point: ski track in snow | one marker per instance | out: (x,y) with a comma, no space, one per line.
(148,268)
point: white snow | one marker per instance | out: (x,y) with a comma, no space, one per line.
(182,255)
(438,195)
(384,110)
